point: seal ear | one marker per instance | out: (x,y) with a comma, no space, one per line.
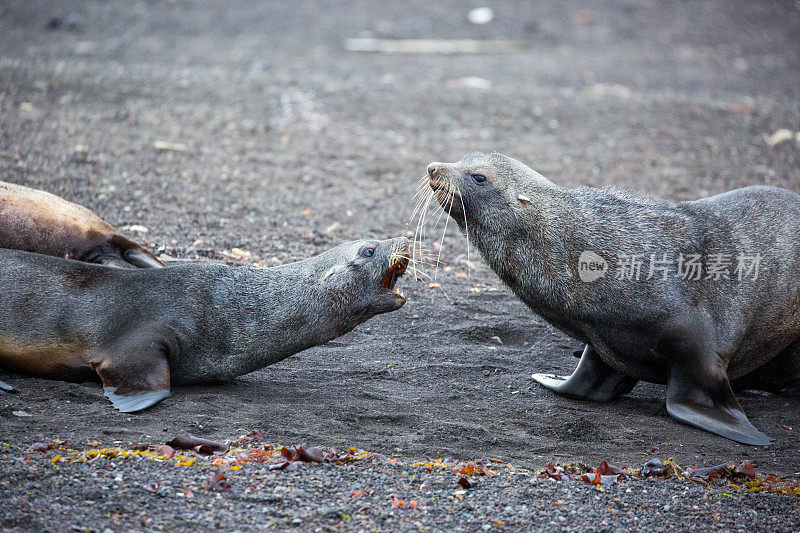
(524,200)
(331,272)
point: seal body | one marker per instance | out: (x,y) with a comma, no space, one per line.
(37,221)
(141,330)
(702,334)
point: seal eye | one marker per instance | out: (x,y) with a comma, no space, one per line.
(369,251)
(479,178)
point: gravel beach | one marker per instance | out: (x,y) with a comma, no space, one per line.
(250,134)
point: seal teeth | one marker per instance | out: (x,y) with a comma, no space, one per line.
(397,267)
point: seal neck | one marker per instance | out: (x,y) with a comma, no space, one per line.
(277,312)
(527,248)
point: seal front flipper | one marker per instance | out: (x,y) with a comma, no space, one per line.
(122,253)
(135,254)
(134,400)
(592,380)
(141,258)
(705,399)
(135,377)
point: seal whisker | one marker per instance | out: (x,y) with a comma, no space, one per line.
(412,260)
(466,230)
(446,205)
(417,206)
(418,262)
(422,186)
(423,224)
(444,231)
(409,257)
(420,193)
(423,198)
(424,274)
(438,210)
(420,228)
(420,202)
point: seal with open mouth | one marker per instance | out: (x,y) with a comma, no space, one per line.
(37,221)
(703,335)
(142,330)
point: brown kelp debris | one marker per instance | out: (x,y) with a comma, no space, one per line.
(165,451)
(744,476)
(655,467)
(603,474)
(475,469)
(739,476)
(730,471)
(310,454)
(187,441)
(217,482)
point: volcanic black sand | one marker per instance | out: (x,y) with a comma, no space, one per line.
(280,143)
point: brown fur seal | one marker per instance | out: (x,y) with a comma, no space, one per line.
(36,221)
(142,330)
(655,289)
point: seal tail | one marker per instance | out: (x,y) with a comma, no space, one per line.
(134,254)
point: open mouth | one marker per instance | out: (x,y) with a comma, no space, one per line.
(397,267)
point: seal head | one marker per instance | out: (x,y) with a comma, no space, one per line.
(484,189)
(362,275)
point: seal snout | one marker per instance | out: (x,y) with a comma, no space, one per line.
(435,176)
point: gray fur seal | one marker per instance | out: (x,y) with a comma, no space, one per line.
(37,221)
(142,330)
(571,256)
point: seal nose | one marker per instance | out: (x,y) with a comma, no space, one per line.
(402,246)
(433,170)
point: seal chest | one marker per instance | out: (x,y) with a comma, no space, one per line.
(695,295)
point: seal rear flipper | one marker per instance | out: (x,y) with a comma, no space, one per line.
(6,387)
(592,380)
(712,406)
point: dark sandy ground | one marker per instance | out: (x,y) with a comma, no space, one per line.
(293,145)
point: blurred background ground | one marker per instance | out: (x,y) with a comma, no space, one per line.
(288,144)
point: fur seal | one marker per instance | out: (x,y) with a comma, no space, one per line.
(566,253)
(142,330)
(37,221)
